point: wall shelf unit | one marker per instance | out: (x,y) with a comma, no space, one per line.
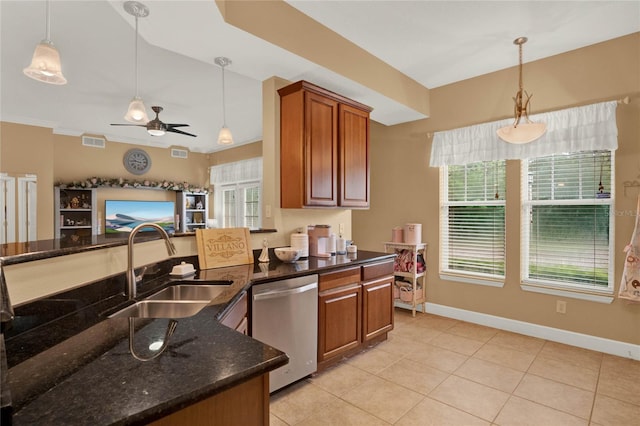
(193,210)
(408,267)
(76,214)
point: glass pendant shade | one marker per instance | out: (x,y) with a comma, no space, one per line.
(45,64)
(522,133)
(137,113)
(225,137)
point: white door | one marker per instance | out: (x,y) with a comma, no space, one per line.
(7,209)
(27,208)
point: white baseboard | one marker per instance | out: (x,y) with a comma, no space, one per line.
(612,347)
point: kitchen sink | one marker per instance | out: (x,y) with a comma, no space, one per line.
(161,309)
(189,292)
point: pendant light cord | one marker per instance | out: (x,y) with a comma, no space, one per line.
(224,113)
(520,61)
(48,23)
(135,52)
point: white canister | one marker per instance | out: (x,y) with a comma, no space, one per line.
(397,235)
(300,241)
(413,233)
(332,244)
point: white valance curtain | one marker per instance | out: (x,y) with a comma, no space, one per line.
(585,128)
(236,172)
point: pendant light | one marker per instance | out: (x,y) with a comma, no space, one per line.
(137,112)
(45,63)
(224,137)
(528,131)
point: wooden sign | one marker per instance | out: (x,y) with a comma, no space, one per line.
(223,247)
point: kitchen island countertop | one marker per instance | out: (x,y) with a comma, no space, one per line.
(92,378)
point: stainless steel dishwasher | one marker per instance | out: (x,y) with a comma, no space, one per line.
(285,315)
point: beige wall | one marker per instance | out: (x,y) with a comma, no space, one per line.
(285,221)
(59,158)
(404,188)
(242,152)
(29,150)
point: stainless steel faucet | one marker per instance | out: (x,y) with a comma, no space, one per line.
(132,279)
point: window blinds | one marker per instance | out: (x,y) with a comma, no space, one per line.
(567,219)
(473,219)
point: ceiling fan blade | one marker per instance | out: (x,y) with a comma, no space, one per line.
(176,125)
(137,125)
(180,132)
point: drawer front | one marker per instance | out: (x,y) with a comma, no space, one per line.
(339,278)
(376,270)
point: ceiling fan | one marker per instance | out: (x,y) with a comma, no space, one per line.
(156,127)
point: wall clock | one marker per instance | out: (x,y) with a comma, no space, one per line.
(137,161)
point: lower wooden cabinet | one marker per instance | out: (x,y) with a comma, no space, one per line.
(245,404)
(377,303)
(377,285)
(339,325)
(355,307)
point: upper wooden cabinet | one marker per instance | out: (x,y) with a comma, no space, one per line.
(324,149)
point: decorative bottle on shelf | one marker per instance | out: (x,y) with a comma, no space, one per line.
(264,256)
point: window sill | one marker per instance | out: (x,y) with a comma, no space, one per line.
(591,297)
(262,231)
(472,280)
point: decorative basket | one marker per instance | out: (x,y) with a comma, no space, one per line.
(406,294)
(400,287)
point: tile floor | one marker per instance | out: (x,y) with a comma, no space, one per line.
(439,371)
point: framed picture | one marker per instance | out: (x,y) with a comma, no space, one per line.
(198,217)
(191,202)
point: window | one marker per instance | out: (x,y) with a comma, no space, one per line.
(472,220)
(567,221)
(240,205)
(237,189)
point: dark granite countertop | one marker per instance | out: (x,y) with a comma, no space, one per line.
(28,251)
(88,375)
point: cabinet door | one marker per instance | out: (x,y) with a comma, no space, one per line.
(354,157)
(321,150)
(236,317)
(377,307)
(339,321)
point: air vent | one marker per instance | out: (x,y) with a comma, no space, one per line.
(93,142)
(179,153)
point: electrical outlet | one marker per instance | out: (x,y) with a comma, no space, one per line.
(341,229)
(267,210)
(561,307)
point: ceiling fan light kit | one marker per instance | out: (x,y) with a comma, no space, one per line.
(528,131)
(156,127)
(137,112)
(224,137)
(45,63)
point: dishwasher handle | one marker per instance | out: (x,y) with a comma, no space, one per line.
(283,293)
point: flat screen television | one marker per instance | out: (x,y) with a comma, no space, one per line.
(121,216)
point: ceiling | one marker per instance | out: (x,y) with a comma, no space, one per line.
(432,42)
